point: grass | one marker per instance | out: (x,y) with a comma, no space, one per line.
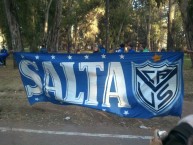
(187,62)
(9,78)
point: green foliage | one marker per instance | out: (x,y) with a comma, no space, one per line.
(31,21)
(2,18)
(75,11)
(190,10)
(159,2)
(127,23)
(3,24)
(120,14)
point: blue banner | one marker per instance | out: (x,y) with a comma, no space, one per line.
(133,85)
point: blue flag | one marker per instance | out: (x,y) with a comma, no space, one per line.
(133,85)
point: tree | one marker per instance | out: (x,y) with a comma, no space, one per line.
(186,8)
(53,38)
(77,24)
(46,21)
(119,13)
(171,13)
(14,28)
(80,23)
(148,41)
(107,25)
(4,29)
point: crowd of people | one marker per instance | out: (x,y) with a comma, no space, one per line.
(123,48)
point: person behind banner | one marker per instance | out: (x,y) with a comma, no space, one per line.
(102,49)
(3,57)
(163,50)
(121,49)
(146,49)
(181,134)
(131,48)
(43,49)
(140,48)
(96,49)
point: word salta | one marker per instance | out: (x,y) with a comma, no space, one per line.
(138,85)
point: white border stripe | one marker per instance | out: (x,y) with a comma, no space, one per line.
(4,129)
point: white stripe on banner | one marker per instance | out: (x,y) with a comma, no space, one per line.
(4,129)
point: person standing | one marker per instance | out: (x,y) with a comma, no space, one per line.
(95,49)
(121,49)
(140,48)
(146,49)
(43,49)
(131,48)
(4,53)
(102,49)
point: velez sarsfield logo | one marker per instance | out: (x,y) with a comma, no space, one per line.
(156,85)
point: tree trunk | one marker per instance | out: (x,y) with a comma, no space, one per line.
(53,41)
(186,11)
(171,13)
(120,30)
(69,41)
(16,42)
(75,37)
(107,25)
(46,22)
(148,40)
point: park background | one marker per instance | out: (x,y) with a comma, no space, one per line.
(70,25)
(15,108)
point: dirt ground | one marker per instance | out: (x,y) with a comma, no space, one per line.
(14,107)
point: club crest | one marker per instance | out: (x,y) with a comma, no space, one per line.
(156,85)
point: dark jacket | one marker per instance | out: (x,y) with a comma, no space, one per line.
(179,135)
(4,51)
